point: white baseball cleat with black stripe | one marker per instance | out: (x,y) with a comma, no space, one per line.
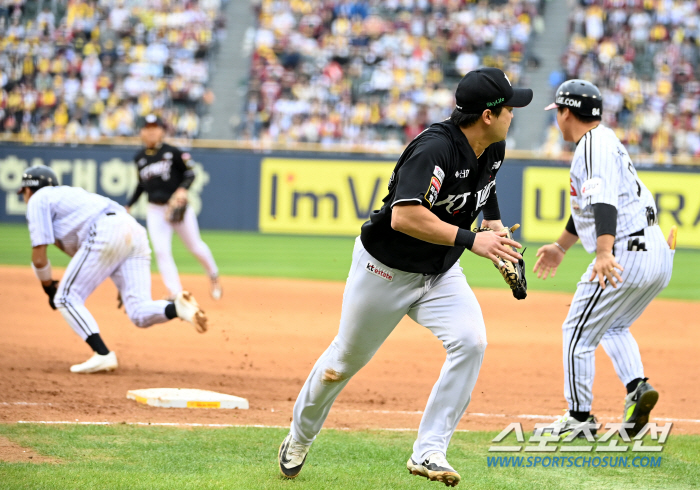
(96,364)
(435,468)
(292,456)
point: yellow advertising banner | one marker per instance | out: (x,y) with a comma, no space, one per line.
(320,197)
(546,203)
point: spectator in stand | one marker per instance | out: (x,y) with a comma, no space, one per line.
(104,63)
(372,72)
(644,57)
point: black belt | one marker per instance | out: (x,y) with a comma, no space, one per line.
(111,214)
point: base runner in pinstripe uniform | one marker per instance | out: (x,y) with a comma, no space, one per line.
(103,241)
(614,215)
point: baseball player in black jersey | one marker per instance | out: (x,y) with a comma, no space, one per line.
(165,174)
(406,262)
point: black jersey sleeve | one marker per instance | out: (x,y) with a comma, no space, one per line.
(183,160)
(422,174)
(139,187)
(490,209)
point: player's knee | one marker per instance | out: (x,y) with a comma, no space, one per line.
(138,318)
(469,343)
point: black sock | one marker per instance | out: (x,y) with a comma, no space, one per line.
(170,311)
(632,385)
(580,416)
(96,343)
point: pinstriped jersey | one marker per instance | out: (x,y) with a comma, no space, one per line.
(63,215)
(602,172)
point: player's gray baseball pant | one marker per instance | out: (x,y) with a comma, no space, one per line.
(372,307)
(116,247)
(605,315)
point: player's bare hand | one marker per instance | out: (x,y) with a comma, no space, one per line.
(495,246)
(180,195)
(606,267)
(548,259)
(128,209)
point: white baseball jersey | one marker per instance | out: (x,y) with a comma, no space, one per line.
(602,172)
(64,214)
(104,241)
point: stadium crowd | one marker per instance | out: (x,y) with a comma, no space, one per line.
(374,72)
(644,56)
(83,69)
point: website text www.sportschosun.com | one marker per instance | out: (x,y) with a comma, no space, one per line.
(573,461)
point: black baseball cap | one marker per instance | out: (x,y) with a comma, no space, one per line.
(487,88)
(153,120)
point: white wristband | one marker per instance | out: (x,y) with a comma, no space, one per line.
(43,274)
(563,250)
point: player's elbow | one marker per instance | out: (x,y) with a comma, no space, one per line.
(400,219)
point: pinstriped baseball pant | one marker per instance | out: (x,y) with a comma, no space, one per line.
(116,247)
(605,315)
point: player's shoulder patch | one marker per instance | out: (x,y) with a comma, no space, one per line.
(436,181)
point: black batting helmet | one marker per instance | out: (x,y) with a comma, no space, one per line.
(37,177)
(580,97)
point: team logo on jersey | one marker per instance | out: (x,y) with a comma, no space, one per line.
(168,155)
(454,203)
(576,208)
(158,169)
(462,174)
(385,274)
(496,165)
(592,187)
(483,195)
(572,191)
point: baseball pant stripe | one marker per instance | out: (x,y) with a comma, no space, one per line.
(77,319)
(73,276)
(572,346)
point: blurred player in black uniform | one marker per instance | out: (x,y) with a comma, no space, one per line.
(165,174)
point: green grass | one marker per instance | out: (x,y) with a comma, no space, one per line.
(328,258)
(121,456)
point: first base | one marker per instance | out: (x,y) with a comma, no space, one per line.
(186,398)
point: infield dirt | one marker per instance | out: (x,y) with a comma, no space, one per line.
(265,335)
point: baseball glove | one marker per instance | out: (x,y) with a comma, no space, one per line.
(514,274)
(176,210)
(50,291)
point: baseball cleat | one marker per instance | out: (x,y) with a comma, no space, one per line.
(215,289)
(638,405)
(435,468)
(566,424)
(292,456)
(188,309)
(96,364)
